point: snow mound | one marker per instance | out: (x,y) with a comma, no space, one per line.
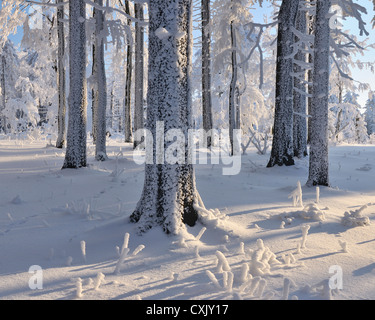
(310,212)
(354,218)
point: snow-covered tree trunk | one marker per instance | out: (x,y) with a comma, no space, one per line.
(206,69)
(233,90)
(169,191)
(299,95)
(128,84)
(138,71)
(75,156)
(61,83)
(282,145)
(100,86)
(318,164)
(3,96)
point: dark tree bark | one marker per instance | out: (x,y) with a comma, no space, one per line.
(100,96)
(138,72)
(282,144)
(299,96)
(206,70)
(319,164)
(75,156)
(128,84)
(61,84)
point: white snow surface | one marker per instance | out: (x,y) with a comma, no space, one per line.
(46,213)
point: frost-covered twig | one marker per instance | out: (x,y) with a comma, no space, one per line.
(138,249)
(98,281)
(200,233)
(305,229)
(222,262)
(79,288)
(296,194)
(213,279)
(83,250)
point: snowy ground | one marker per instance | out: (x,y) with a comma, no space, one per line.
(45,213)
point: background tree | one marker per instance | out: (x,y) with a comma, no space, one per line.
(206,68)
(61,82)
(138,70)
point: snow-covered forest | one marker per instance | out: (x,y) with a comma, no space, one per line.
(187,149)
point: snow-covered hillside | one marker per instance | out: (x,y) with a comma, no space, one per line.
(254,243)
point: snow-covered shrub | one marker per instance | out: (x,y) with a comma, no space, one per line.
(261,259)
(310,212)
(354,218)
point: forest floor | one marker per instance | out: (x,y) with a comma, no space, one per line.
(46,213)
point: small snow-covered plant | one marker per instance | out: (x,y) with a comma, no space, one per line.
(222,262)
(228,285)
(99,280)
(242,248)
(355,218)
(296,195)
(305,229)
(261,286)
(197,256)
(83,250)
(116,173)
(79,288)
(286,289)
(69,261)
(121,259)
(317,194)
(213,279)
(200,233)
(138,249)
(126,241)
(261,259)
(244,273)
(254,285)
(344,246)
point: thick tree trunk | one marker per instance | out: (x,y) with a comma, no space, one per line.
(282,145)
(61,84)
(299,95)
(100,87)
(75,156)
(169,191)
(206,69)
(128,84)
(318,165)
(138,72)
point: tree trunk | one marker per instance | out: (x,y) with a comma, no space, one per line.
(100,86)
(282,145)
(3,96)
(318,165)
(310,77)
(169,191)
(128,84)
(299,95)
(75,156)
(61,84)
(206,70)
(233,90)
(138,72)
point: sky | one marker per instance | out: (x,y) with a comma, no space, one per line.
(349,24)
